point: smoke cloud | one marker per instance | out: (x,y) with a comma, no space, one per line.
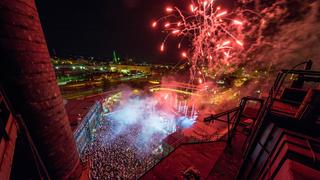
(145,118)
(285,34)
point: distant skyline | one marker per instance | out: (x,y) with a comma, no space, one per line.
(99,27)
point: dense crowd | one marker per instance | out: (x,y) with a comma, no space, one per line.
(116,155)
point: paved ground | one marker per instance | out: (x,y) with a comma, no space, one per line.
(201,156)
(228,164)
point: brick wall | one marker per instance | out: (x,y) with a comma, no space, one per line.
(29,81)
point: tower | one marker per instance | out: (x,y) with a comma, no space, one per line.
(28,78)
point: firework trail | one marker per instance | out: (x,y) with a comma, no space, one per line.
(209,36)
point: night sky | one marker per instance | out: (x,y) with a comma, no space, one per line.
(97,27)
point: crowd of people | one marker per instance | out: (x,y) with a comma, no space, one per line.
(115,154)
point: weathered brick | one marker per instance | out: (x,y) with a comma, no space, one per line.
(16,32)
(29,80)
(10,44)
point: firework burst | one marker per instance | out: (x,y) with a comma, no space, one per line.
(209,36)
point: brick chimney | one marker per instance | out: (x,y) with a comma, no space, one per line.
(28,78)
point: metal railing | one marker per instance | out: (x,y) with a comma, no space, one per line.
(232,119)
(308,76)
(279,84)
(233,116)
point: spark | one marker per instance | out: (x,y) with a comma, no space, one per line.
(207,31)
(162,47)
(239,42)
(154,24)
(192,8)
(225,43)
(169,9)
(237,22)
(221,14)
(184,54)
(205,3)
(175,31)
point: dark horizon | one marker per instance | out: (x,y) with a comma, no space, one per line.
(97,28)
